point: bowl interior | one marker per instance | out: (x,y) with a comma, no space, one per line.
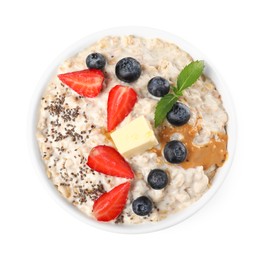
(209,71)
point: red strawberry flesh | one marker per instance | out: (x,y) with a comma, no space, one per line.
(87,83)
(107,160)
(110,205)
(121,101)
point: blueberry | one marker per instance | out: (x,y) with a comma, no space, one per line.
(128,69)
(157,179)
(175,152)
(158,87)
(142,206)
(179,114)
(95,61)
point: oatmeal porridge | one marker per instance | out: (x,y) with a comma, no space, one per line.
(100,145)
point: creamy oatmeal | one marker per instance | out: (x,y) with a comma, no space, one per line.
(70,125)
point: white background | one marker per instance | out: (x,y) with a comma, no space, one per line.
(33,33)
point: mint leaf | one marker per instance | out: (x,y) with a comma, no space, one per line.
(175,91)
(186,78)
(189,75)
(163,107)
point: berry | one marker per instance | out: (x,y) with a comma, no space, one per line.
(87,83)
(158,86)
(142,206)
(107,160)
(179,114)
(128,69)
(121,101)
(157,179)
(110,205)
(95,61)
(175,152)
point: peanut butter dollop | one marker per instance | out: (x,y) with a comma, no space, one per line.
(213,153)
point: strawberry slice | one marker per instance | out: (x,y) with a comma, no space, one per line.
(121,101)
(107,160)
(86,83)
(109,205)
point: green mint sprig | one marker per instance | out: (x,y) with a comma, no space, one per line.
(187,77)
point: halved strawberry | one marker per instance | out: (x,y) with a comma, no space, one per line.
(121,101)
(107,160)
(110,205)
(86,83)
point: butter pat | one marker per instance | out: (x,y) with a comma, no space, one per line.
(134,138)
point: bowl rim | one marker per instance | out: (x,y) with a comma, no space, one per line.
(210,71)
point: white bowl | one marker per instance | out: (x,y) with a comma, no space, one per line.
(210,71)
